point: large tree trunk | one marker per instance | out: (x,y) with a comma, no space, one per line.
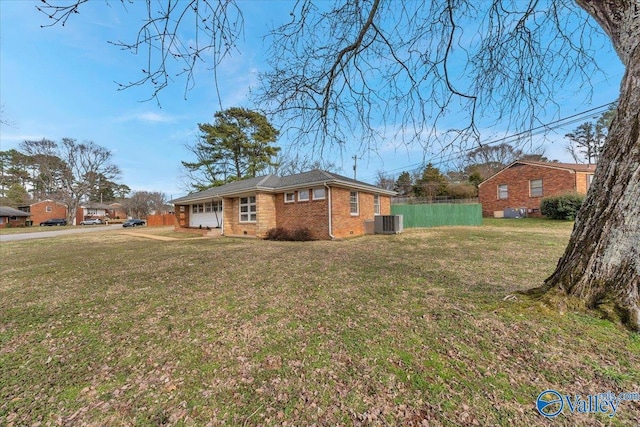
(601,265)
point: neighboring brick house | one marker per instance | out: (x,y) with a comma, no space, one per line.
(117,211)
(329,205)
(12,217)
(92,211)
(523,184)
(44,210)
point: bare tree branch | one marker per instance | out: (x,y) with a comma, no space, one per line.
(176,37)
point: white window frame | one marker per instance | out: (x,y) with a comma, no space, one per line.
(354,202)
(251,212)
(503,192)
(589,180)
(197,208)
(289,197)
(538,190)
(318,189)
(300,192)
(48,208)
(376,204)
(208,207)
(217,205)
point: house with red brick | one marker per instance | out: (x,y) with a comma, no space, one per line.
(44,210)
(12,217)
(117,211)
(523,184)
(329,205)
(92,211)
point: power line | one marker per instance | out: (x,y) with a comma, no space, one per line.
(543,128)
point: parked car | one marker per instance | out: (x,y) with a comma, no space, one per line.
(53,221)
(95,221)
(133,223)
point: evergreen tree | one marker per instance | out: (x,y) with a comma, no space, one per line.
(236,146)
(404,184)
(431,184)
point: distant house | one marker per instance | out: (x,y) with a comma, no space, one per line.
(329,205)
(12,217)
(92,211)
(44,210)
(523,184)
(117,211)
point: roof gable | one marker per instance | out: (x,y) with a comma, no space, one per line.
(571,167)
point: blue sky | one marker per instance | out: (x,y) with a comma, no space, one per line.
(60,82)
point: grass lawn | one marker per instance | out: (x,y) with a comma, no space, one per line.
(411,329)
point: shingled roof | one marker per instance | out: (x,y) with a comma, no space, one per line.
(275,184)
(8,211)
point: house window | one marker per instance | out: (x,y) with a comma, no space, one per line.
(248,210)
(48,209)
(376,204)
(208,207)
(217,206)
(197,208)
(353,203)
(535,188)
(589,180)
(503,191)
(318,193)
(303,195)
(289,197)
(181,208)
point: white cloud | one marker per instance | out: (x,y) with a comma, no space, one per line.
(8,140)
(148,116)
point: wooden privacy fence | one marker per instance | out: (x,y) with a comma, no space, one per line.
(440,214)
(161,220)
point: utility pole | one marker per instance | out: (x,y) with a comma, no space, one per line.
(355,164)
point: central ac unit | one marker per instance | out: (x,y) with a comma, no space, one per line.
(388,224)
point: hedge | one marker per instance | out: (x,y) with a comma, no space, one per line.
(564,206)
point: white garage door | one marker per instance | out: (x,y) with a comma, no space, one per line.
(206,214)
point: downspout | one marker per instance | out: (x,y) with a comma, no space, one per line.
(329,199)
(222,207)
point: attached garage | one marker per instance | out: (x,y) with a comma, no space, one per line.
(206,214)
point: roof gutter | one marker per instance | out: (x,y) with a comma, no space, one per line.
(329,199)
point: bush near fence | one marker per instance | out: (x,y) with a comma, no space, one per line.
(438,214)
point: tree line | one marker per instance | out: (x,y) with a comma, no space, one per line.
(69,172)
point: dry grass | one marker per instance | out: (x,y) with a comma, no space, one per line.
(109,329)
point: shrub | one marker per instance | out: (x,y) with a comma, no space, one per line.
(564,206)
(282,234)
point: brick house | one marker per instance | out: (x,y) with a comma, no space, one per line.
(44,210)
(523,184)
(117,211)
(12,217)
(92,211)
(329,205)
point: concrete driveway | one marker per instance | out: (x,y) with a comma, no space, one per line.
(53,233)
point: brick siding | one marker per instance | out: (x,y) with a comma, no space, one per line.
(272,211)
(517,178)
(182,216)
(39,211)
(311,214)
(231,219)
